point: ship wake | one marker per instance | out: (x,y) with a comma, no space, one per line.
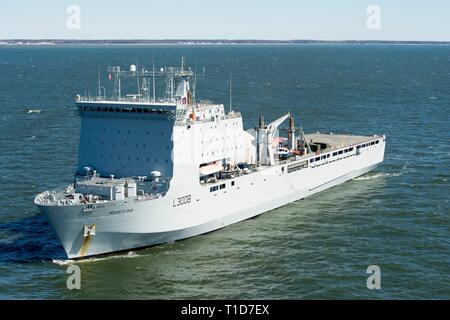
(377,175)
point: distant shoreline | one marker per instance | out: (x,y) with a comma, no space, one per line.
(49,42)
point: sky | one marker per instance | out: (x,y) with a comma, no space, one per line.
(414,20)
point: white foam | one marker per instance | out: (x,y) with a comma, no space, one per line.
(34,111)
(130,254)
(63,262)
(378,175)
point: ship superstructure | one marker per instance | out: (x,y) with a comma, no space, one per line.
(153,170)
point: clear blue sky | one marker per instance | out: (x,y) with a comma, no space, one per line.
(226,19)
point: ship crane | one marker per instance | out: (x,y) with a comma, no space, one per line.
(265,140)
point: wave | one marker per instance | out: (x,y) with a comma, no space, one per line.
(378,175)
(34,111)
(128,255)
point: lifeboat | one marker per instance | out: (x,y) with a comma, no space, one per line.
(211,168)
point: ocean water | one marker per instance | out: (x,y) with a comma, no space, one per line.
(396,217)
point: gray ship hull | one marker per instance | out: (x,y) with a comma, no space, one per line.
(112,233)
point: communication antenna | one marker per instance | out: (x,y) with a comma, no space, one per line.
(194,89)
(153,84)
(231,95)
(99,87)
(183,61)
(133,70)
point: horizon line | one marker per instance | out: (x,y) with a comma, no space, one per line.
(224,40)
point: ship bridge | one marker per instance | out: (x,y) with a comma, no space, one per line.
(131,135)
(125,138)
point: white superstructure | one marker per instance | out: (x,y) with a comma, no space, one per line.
(153,170)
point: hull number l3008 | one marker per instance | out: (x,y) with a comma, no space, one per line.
(182,200)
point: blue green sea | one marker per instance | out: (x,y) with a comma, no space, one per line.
(396,217)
